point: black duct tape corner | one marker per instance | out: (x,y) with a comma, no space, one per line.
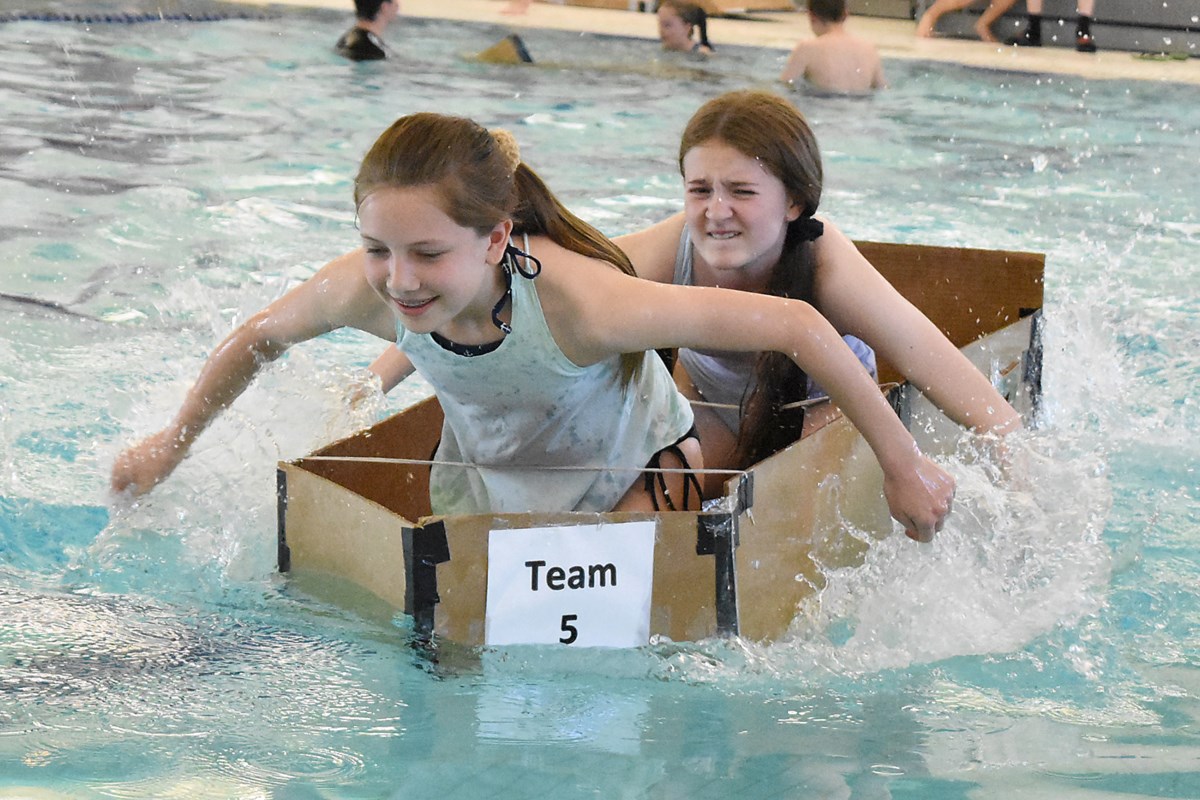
(424,549)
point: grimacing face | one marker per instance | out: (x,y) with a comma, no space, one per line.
(737,213)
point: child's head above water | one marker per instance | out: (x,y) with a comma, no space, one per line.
(769,129)
(480,179)
(828,10)
(474,177)
(678,20)
(471,168)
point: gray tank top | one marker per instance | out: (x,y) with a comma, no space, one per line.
(525,406)
(726,377)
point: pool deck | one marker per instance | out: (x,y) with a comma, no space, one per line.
(781,30)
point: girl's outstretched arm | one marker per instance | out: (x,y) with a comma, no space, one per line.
(337,296)
(392,366)
(860,301)
(596,312)
(652,250)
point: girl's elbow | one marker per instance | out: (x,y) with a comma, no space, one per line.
(256,337)
(805,315)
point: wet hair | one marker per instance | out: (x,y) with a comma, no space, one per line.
(828,10)
(769,129)
(368,9)
(693,15)
(481,181)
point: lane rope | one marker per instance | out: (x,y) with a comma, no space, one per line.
(130,18)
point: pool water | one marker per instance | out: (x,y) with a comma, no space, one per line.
(160,182)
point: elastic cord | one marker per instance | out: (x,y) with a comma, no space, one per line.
(512,253)
(504,327)
(510,262)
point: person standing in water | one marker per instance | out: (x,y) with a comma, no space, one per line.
(540,353)
(364,42)
(683,27)
(836,60)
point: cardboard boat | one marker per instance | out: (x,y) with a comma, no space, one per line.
(356,513)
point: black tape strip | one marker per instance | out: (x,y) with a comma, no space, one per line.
(745,496)
(519,47)
(1033,365)
(716,536)
(424,549)
(284,556)
(899,399)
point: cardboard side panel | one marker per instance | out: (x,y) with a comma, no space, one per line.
(967,293)
(462,581)
(403,488)
(333,531)
(1002,356)
(411,433)
(400,488)
(821,500)
(807,500)
(683,604)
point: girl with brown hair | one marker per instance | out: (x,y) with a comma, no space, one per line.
(753,178)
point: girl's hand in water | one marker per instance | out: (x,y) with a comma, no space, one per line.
(920,497)
(143,466)
(364,390)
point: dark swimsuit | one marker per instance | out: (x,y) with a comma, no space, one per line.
(690,482)
(358,44)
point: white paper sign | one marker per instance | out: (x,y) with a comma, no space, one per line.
(582,585)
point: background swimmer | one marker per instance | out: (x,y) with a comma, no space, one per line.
(836,60)
(364,42)
(678,22)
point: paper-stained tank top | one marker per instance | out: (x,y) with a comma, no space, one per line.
(525,407)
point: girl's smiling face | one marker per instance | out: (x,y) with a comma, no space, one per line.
(737,214)
(433,273)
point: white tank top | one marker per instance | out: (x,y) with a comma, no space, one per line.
(525,405)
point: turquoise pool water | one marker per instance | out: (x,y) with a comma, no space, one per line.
(160,182)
